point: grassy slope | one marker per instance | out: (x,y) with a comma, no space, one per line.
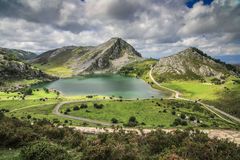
(146,111)
(225,97)
(59,71)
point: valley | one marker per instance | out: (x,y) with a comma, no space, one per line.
(87,89)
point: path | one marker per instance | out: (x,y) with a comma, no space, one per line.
(233,136)
(206,106)
(59,105)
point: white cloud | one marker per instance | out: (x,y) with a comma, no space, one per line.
(155,28)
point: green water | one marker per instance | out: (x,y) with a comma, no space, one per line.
(106,85)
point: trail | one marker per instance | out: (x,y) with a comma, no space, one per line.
(59,105)
(206,106)
(231,135)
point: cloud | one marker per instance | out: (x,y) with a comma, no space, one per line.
(155,28)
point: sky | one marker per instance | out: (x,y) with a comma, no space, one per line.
(156,28)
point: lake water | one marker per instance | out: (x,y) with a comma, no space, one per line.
(106,85)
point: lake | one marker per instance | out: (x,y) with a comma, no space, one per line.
(106,85)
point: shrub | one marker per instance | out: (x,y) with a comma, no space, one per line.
(177,122)
(29,116)
(98,106)
(192,118)
(46,90)
(76,108)
(183,116)
(28,91)
(173,112)
(68,110)
(132,122)
(44,151)
(114,120)
(83,106)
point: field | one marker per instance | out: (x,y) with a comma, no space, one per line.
(149,113)
(224,96)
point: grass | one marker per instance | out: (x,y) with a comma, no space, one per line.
(40,93)
(199,90)
(9,154)
(195,89)
(36,108)
(138,69)
(147,112)
(59,71)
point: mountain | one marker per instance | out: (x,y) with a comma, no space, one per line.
(18,54)
(191,64)
(12,70)
(107,57)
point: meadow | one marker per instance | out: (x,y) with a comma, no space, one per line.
(150,113)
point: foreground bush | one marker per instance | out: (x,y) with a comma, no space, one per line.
(119,145)
(44,151)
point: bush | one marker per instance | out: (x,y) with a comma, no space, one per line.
(132,122)
(46,90)
(28,91)
(114,120)
(68,110)
(98,106)
(83,106)
(192,118)
(76,108)
(44,151)
(173,112)
(183,116)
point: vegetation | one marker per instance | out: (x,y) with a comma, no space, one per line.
(224,96)
(147,113)
(43,141)
(138,69)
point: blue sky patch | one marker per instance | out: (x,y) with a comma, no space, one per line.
(190,3)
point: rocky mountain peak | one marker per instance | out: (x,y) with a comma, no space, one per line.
(190,63)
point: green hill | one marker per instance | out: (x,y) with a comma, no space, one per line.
(18,54)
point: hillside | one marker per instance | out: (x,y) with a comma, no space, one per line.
(191,64)
(18,54)
(12,70)
(107,57)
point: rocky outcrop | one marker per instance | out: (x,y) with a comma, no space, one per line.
(17,70)
(189,64)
